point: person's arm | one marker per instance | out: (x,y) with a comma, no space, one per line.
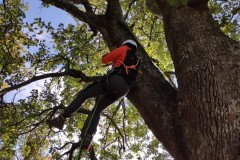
(114,54)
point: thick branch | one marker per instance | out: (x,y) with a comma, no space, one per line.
(87,17)
(71,72)
(113,9)
(77,1)
(156,101)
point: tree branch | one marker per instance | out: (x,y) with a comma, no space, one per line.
(77,1)
(73,148)
(113,9)
(87,17)
(71,72)
(154,97)
(129,8)
(234,12)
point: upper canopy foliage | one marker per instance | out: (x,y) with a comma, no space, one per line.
(65,59)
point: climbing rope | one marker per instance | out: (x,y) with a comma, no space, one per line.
(92,114)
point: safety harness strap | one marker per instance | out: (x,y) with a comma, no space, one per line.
(129,67)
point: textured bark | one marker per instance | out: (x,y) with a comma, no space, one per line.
(207,64)
(201,119)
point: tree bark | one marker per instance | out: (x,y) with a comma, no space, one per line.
(207,65)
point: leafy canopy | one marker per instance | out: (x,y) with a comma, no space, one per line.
(31,49)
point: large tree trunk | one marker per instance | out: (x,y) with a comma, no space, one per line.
(207,65)
(201,119)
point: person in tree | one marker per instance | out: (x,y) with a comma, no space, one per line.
(112,86)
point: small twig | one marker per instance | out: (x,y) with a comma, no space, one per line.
(129,8)
(60,148)
(16,95)
(233,14)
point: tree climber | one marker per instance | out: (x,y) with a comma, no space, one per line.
(112,86)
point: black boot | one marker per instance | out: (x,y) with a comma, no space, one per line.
(57,122)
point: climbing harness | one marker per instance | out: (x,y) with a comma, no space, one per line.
(129,67)
(82,139)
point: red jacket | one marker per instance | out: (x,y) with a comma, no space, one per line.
(116,56)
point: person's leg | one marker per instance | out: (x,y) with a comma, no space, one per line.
(92,120)
(118,87)
(93,90)
(91,123)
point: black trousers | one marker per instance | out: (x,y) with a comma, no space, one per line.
(115,88)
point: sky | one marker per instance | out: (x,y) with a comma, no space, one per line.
(50,14)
